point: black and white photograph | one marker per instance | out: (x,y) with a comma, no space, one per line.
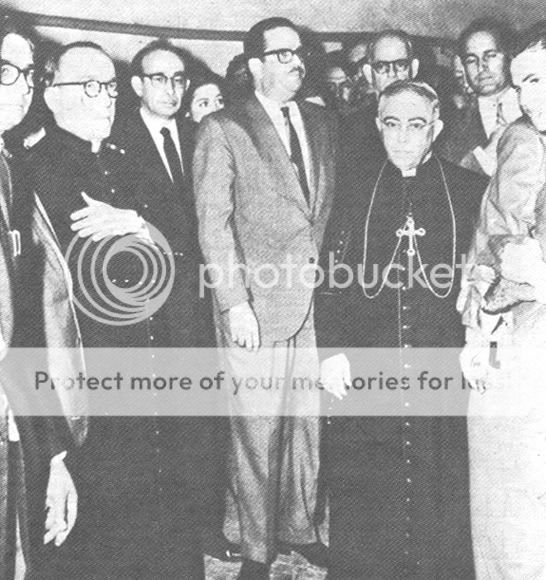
(271,283)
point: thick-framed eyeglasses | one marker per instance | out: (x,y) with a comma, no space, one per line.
(159,80)
(93,88)
(473,60)
(10,73)
(383,67)
(286,55)
(412,127)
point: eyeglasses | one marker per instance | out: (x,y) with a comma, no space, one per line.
(412,127)
(286,55)
(472,60)
(93,88)
(158,80)
(382,67)
(10,73)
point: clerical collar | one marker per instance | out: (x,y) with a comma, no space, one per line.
(412,172)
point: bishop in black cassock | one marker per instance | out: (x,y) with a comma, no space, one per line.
(398,485)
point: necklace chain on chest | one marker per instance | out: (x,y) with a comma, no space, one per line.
(413,245)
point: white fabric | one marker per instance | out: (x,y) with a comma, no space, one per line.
(488,109)
(273,109)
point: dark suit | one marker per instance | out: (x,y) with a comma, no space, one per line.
(185,321)
(463,132)
(252,211)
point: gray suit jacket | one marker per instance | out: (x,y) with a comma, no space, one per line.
(253,216)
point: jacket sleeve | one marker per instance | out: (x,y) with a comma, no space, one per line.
(215,173)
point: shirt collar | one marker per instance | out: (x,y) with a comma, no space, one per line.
(155,124)
(273,107)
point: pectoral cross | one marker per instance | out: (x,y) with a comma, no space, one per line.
(410,231)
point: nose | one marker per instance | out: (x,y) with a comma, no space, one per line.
(483,65)
(403,134)
(391,73)
(170,86)
(24,84)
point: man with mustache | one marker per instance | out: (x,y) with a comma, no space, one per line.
(473,133)
(264,179)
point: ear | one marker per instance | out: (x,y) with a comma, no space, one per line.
(414,67)
(438,126)
(255,66)
(136,83)
(51,97)
(367,70)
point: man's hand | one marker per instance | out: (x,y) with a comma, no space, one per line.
(335,375)
(474,360)
(61,503)
(100,220)
(243,326)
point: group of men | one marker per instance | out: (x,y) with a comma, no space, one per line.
(256,189)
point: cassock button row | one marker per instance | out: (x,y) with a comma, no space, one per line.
(408,461)
(157,431)
(113,190)
(408,480)
(407,424)
(408,443)
(106,172)
(406,326)
(406,345)
(405,307)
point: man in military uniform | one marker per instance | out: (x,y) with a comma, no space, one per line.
(398,486)
(136,517)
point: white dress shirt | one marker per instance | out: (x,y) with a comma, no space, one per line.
(273,110)
(154,126)
(488,107)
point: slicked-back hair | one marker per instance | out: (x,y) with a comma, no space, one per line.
(397,34)
(53,61)
(14,23)
(254,43)
(154,46)
(533,37)
(503,35)
(417,88)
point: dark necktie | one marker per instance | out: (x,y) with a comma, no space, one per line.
(296,155)
(172,158)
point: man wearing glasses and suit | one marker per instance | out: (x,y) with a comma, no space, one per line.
(264,182)
(390,58)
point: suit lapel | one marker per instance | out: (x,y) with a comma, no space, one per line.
(272,150)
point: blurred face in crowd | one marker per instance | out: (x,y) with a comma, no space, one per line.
(86,105)
(408,125)
(529,77)
(390,62)
(17,80)
(162,84)
(279,75)
(485,64)
(337,83)
(206,99)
